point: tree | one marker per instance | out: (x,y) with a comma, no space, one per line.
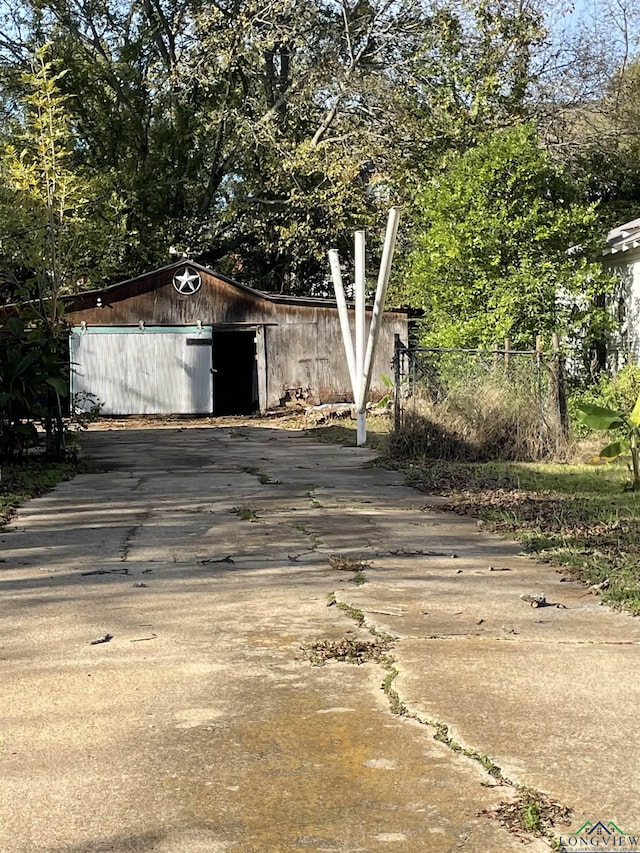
(54,239)
(502,248)
(234,125)
(253,136)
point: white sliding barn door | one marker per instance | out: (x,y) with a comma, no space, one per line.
(130,371)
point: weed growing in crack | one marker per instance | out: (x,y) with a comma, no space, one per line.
(256,472)
(315,540)
(531,817)
(531,812)
(244,513)
(352,612)
(358,578)
(442,733)
(396,704)
(489,765)
(381,635)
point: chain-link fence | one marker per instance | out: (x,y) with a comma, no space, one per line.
(479,404)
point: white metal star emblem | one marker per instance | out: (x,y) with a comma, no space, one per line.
(188,281)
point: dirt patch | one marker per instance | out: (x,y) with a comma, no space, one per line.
(285,419)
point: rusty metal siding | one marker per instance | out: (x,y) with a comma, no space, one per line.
(155,371)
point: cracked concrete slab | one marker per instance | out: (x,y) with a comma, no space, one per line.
(202,725)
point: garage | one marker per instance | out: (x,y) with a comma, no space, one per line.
(186,340)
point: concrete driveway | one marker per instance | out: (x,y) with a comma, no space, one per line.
(202,727)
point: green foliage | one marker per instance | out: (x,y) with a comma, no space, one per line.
(618,392)
(33,377)
(387,399)
(255,136)
(58,236)
(605,419)
(490,257)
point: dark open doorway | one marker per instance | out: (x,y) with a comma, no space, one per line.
(235,378)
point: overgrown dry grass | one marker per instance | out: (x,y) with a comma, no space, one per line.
(476,423)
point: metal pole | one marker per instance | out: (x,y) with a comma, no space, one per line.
(397,379)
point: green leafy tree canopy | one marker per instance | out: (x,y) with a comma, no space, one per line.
(502,247)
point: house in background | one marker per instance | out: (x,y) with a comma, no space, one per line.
(622,255)
(186,340)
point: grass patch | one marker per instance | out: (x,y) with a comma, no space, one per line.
(378,430)
(22,481)
(579,516)
(245,513)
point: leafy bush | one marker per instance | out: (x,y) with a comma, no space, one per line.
(626,426)
(618,392)
(33,378)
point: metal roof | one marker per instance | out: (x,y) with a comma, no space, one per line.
(127,285)
(623,238)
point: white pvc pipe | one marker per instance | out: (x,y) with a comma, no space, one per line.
(378,306)
(359,283)
(343,314)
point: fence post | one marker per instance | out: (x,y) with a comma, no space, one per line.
(558,392)
(397,378)
(539,399)
(507,349)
